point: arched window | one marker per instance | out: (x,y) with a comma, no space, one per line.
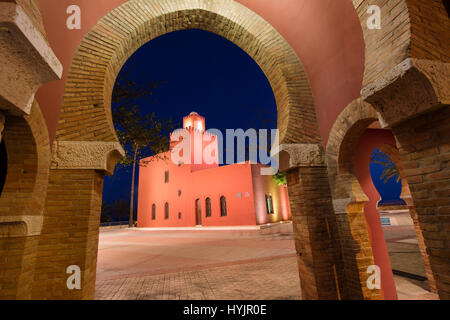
(223,206)
(153,212)
(208,207)
(166,211)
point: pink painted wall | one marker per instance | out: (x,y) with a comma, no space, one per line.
(371,139)
(228,181)
(325,34)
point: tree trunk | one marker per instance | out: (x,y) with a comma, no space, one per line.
(131,222)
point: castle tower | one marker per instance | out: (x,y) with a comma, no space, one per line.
(194,125)
(195,121)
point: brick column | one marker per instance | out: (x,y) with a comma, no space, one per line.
(314,222)
(393,153)
(72,218)
(423,250)
(356,248)
(22,201)
(424,144)
(69,234)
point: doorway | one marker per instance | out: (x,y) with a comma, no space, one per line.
(198,212)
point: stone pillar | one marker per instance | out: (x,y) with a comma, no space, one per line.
(314,222)
(72,218)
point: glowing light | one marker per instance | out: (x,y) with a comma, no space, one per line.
(199,125)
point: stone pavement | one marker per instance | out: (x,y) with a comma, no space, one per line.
(405,256)
(224,265)
(270,279)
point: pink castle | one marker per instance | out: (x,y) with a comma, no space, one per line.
(175,194)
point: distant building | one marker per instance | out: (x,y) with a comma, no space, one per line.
(175,194)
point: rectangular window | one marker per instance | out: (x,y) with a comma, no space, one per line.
(166,176)
(269,204)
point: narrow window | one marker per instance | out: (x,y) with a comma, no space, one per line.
(166,211)
(269,204)
(179,215)
(153,212)
(166,176)
(208,207)
(223,206)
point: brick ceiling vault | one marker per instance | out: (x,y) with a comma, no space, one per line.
(86,108)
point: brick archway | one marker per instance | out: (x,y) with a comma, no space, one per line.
(349,198)
(396,55)
(119,34)
(408,86)
(22,199)
(86,146)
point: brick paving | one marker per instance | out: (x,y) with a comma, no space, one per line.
(271,279)
(223,265)
(197,265)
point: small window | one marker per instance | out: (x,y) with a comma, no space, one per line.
(208,207)
(179,193)
(166,176)
(223,206)
(166,211)
(153,212)
(179,215)
(269,204)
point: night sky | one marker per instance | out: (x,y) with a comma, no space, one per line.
(206,73)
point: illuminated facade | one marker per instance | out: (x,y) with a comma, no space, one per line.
(173,194)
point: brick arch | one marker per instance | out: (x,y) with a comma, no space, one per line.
(22,199)
(344,135)
(86,114)
(349,198)
(409,51)
(407,68)
(28,152)
(405,23)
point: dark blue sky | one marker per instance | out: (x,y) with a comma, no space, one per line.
(204,73)
(391,190)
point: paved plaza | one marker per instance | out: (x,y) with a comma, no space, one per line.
(220,264)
